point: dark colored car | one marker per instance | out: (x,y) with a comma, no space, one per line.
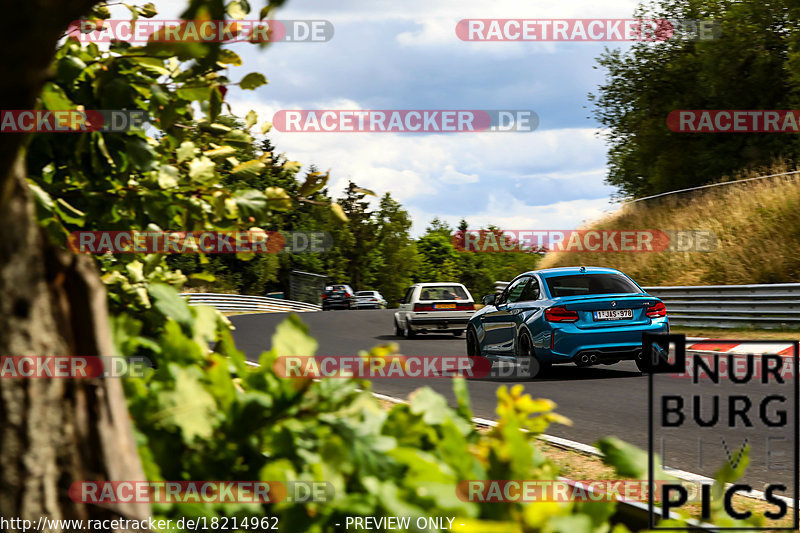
(585,316)
(338,297)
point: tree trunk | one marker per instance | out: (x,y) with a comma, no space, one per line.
(52,431)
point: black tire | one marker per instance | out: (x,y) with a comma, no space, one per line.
(640,365)
(397,331)
(527,363)
(473,348)
(409,333)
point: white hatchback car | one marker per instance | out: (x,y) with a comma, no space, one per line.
(432,308)
(369,300)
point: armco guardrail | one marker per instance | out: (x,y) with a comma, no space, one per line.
(759,306)
(237,303)
(765,306)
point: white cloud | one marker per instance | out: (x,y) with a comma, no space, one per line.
(451,175)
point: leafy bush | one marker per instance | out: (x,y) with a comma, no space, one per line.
(203,414)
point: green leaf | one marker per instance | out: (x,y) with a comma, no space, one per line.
(216,128)
(169,302)
(140,153)
(167,176)
(69,68)
(201,169)
(148,10)
(42,197)
(252,81)
(54,98)
(430,404)
(203,276)
(236,10)
(214,104)
(189,407)
(338,212)
(250,119)
(462,398)
(627,460)
(264,12)
(153,64)
(291,338)
(199,94)
(101,12)
(250,202)
(229,57)
(361,190)
(265,127)
(278,198)
(248,169)
(222,151)
(314,182)
(292,166)
(238,138)
(186,151)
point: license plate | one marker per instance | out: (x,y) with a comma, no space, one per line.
(444,306)
(613,314)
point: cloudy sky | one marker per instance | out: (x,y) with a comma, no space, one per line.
(406,55)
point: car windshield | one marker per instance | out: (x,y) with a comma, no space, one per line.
(364,293)
(583,284)
(443,292)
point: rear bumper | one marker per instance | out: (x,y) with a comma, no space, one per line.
(444,323)
(337,303)
(620,343)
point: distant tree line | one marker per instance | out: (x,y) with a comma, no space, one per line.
(372,249)
(753,64)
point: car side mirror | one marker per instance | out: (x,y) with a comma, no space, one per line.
(489,299)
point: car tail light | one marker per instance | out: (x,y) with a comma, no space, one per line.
(465,307)
(347,294)
(423,307)
(657,310)
(324,296)
(560,314)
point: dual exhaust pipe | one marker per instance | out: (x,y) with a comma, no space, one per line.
(589,359)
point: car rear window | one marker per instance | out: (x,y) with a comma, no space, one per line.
(365,293)
(583,284)
(443,292)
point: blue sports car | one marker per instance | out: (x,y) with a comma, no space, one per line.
(581,315)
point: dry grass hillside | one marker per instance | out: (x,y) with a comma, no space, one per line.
(757,224)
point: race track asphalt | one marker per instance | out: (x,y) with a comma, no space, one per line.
(601,400)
